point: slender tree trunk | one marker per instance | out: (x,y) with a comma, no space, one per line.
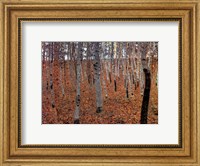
(145,102)
(78,84)
(144,112)
(114,64)
(61,63)
(51,48)
(72,68)
(65,59)
(104,83)
(97,70)
(141,79)
(103,62)
(47,71)
(117,59)
(45,63)
(88,65)
(127,91)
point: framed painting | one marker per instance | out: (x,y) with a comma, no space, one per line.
(99,82)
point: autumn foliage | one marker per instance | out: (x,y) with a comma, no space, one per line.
(70,75)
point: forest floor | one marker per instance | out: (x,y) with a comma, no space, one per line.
(117,108)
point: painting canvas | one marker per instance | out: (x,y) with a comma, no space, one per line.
(100,82)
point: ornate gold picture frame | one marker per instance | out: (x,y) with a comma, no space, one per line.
(14,13)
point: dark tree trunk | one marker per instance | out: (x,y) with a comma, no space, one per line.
(115,83)
(145,102)
(127,96)
(110,77)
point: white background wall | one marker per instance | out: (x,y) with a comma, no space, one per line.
(33,132)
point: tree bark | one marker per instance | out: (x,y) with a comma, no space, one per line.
(145,102)
(97,70)
(78,84)
(89,77)
(51,48)
(61,67)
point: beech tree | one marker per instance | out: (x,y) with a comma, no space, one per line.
(97,69)
(78,82)
(62,66)
(51,48)
(145,67)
